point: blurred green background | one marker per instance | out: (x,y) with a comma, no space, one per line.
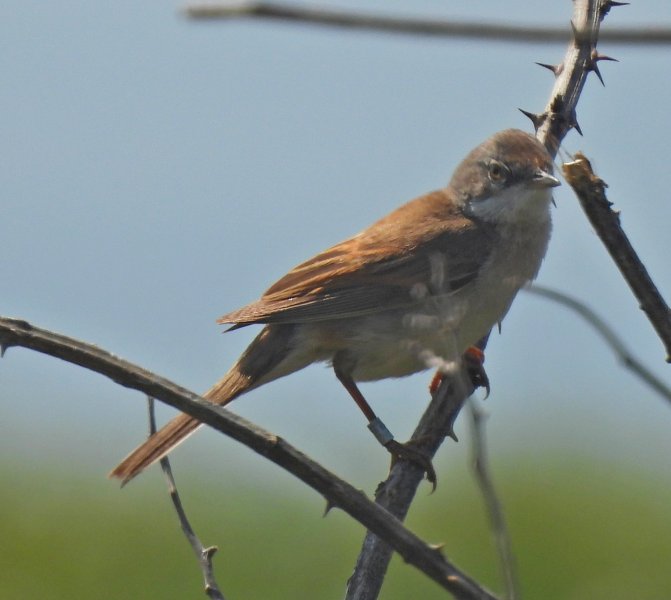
(581,531)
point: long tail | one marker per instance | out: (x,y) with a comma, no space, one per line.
(255,367)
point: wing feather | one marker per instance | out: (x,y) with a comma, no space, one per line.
(426,247)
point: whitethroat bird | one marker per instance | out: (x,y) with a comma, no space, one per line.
(413,291)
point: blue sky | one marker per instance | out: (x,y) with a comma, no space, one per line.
(158,173)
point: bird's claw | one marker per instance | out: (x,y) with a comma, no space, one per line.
(409,452)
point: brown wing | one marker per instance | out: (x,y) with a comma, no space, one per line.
(426,247)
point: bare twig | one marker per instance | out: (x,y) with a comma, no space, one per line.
(493,505)
(397,492)
(609,335)
(612,339)
(338,493)
(316,15)
(203,554)
(591,192)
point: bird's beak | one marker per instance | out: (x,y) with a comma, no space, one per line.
(543,179)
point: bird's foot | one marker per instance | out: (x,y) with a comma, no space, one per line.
(475,366)
(411,453)
(474,359)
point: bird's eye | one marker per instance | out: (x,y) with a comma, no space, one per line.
(498,172)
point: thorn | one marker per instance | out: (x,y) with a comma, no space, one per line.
(581,36)
(329,507)
(452,435)
(438,547)
(574,31)
(608,4)
(537,120)
(3,349)
(573,122)
(556,69)
(596,56)
(210,552)
(595,69)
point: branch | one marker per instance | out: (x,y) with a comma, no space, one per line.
(313,15)
(397,492)
(493,505)
(591,192)
(618,346)
(204,555)
(338,493)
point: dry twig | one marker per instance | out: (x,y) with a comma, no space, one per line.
(591,192)
(203,554)
(608,333)
(497,518)
(406,25)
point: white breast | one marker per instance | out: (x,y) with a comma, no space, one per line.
(524,228)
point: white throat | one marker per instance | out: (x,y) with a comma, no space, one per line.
(516,205)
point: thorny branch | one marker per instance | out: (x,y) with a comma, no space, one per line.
(203,554)
(338,493)
(591,192)
(581,58)
(406,25)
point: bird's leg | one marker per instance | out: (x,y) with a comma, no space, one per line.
(382,434)
(474,359)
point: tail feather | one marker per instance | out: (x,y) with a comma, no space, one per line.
(176,431)
(255,367)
